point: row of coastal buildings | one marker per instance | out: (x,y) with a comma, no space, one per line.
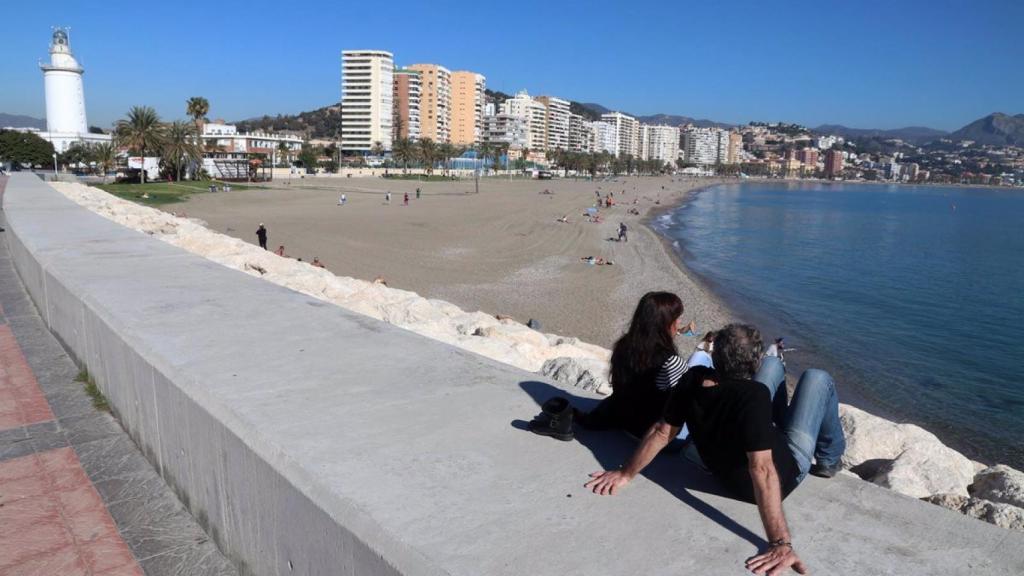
(382,104)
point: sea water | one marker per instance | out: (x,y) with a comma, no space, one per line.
(913,296)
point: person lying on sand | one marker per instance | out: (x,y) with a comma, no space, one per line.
(689,329)
(316,262)
(380,280)
(563,219)
(597,261)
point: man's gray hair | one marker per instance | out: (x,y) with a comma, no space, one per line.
(737,351)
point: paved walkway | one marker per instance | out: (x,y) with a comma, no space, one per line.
(76,495)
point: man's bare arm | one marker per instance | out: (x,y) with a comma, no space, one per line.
(608,482)
(768,494)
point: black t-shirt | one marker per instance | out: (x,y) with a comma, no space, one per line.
(727,421)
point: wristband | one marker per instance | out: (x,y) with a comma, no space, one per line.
(780,542)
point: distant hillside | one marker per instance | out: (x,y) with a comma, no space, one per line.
(914,134)
(20,121)
(996,129)
(674,120)
(320,123)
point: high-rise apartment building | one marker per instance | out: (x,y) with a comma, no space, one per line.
(467,107)
(705,146)
(605,138)
(735,153)
(556,122)
(533,113)
(833,163)
(581,135)
(367,93)
(406,121)
(435,101)
(659,143)
(809,157)
(505,129)
(627,132)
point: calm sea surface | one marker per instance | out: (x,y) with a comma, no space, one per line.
(912,296)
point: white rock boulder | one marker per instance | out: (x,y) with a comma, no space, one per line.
(585,373)
(999,483)
(924,469)
(1002,515)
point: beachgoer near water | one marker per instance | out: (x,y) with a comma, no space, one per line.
(417,193)
(622,232)
(645,365)
(316,262)
(405,200)
(387,197)
(280,250)
(690,329)
(701,355)
(261,235)
(754,444)
(777,350)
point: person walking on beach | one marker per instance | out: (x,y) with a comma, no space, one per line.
(754,444)
(342,199)
(622,232)
(405,199)
(387,197)
(417,193)
(261,235)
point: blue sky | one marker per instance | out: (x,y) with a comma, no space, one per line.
(871,64)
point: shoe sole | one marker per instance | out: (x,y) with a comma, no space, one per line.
(564,437)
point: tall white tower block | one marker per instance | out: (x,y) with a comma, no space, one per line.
(65,99)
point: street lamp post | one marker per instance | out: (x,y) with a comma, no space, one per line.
(54,165)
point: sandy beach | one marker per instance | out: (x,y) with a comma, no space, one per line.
(501,251)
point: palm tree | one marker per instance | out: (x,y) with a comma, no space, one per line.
(141,131)
(105,155)
(428,154)
(285,151)
(197,107)
(180,147)
(404,151)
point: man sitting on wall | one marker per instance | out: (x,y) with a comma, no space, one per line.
(747,436)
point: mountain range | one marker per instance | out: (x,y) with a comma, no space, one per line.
(21,121)
(997,129)
(913,134)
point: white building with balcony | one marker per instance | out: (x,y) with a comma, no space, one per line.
(705,146)
(227,153)
(627,133)
(367,100)
(533,113)
(659,143)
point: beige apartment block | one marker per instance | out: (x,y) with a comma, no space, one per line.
(467,107)
(435,101)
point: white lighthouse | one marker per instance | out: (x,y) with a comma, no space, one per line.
(65,98)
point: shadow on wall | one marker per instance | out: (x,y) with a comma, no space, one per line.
(612,448)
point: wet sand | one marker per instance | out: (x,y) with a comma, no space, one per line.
(500,251)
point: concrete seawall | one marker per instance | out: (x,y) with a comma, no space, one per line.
(311,440)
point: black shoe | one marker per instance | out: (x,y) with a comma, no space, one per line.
(555,420)
(825,470)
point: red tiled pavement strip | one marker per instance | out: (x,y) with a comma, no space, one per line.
(21,400)
(52,520)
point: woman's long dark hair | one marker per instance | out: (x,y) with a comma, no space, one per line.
(648,340)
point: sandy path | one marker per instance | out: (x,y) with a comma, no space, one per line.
(500,251)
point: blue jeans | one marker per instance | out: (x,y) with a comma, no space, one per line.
(811,421)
